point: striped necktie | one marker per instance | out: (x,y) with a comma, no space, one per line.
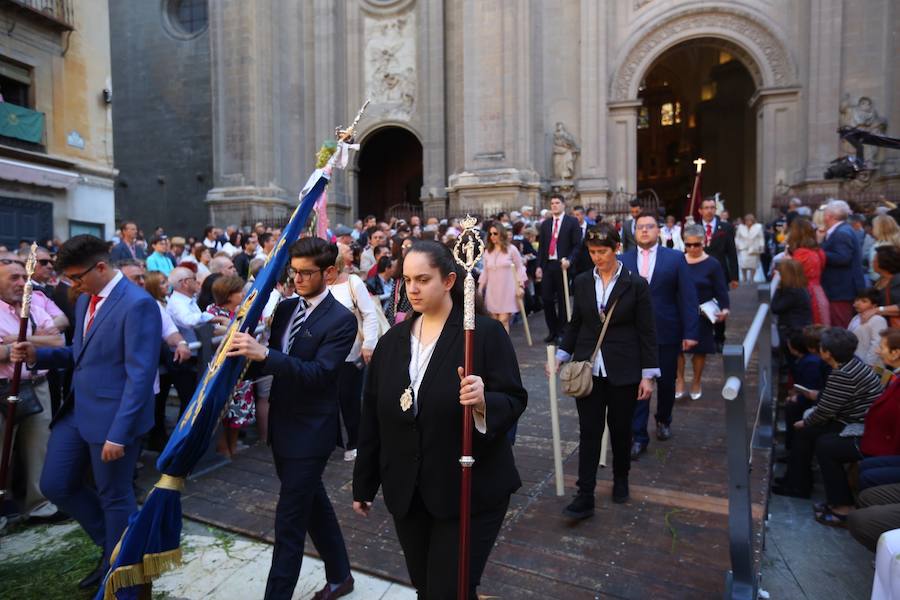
(297,323)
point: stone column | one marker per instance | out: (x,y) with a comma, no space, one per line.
(244,173)
(777,139)
(621,143)
(593,185)
(824,89)
(432,110)
(498,168)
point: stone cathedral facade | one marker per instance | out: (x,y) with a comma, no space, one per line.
(485,105)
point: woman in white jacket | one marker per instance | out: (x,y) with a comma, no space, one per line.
(750,242)
(351,291)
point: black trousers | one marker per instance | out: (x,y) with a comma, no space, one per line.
(430,546)
(832,452)
(553,298)
(303,507)
(799,471)
(613,404)
(349,383)
(793,412)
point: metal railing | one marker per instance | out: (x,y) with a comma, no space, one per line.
(742,580)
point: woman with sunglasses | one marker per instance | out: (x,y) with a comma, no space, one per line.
(501,285)
(709,279)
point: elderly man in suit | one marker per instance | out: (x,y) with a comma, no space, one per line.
(114,355)
(843,275)
(560,243)
(311,337)
(675,306)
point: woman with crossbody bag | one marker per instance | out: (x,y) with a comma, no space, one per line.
(611,341)
(351,291)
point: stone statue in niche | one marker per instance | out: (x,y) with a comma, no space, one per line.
(863,115)
(565,151)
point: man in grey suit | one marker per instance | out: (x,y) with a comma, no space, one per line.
(628,240)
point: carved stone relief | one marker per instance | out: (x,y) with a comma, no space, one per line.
(390,65)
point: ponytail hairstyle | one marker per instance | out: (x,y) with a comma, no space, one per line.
(440,257)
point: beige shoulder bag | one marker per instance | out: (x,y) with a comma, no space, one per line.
(576,376)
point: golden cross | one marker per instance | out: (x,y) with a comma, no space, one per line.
(699,162)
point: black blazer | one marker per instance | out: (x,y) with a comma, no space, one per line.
(303,417)
(630,342)
(793,309)
(721,247)
(568,240)
(402,452)
(628,240)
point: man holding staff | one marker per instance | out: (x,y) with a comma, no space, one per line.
(560,242)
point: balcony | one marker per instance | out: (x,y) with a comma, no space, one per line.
(21,127)
(57,14)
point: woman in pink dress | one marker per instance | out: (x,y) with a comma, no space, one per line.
(503,284)
(803,247)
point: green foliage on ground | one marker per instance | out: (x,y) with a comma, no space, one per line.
(53,574)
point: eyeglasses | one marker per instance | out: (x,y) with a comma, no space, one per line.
(493,233)
(693,245)
(12,261)
(303,275)
(646,227)
(70,279)
(45,262)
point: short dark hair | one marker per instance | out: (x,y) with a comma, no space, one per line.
(892,336)
(264,238)
(322,253)
(634,203)
(125,224)
(559,196)
(888,258)
(246,239)
(813,336)
(646,214)
(798,342)
(83,250)
(840,343)
(207,229)
(225,286)
(602,234)
(578,207)
(871,294)
(157,239)
(384,263)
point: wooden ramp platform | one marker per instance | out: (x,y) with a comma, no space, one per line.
(669,541)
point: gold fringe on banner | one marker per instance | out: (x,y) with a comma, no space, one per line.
(153,566)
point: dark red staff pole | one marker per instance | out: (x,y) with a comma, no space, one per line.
(468,250)
(13,399)
(695,192)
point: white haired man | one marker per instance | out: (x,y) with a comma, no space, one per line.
(842,277)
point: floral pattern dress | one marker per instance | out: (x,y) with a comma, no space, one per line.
(241,411)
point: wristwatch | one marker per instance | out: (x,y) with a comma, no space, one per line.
(880,310)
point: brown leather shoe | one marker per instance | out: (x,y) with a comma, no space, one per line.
(326,594)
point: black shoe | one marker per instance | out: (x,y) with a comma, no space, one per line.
(663,431)
(620,490)
(57,517)
(783,490)
(93,578)
(580,508)
(550,338)
(637,449)
(720,346)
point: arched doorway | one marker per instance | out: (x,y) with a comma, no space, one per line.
(696,102)
(389,172)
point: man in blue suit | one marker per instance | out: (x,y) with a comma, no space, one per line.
(114,356)
(676,309)
(127,248)
(843,276)
(311,337)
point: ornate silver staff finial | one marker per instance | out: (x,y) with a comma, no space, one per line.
(467,252)
(29,284)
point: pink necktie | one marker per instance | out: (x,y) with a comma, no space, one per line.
(645,263)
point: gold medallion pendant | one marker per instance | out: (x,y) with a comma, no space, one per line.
(406,399)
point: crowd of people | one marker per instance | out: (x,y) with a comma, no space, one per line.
(365,323)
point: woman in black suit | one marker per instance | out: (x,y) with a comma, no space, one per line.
(410,436)
(623,370)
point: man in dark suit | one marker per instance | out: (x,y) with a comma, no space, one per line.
(114,354)
(126,248)
(843,276)
(676,322)
(718,242)
(311,337)
(560,242)
(628,226)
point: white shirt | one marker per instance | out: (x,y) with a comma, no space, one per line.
(186,314)
(367,318)
(106,291)
(603,293)
(652,265)
(168,328)
(831,230)
(311,304)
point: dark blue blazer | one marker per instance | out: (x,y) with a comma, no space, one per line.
(568,240)
(121,252)
(842,276)
(303,403)
(114,366)
(678,320)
